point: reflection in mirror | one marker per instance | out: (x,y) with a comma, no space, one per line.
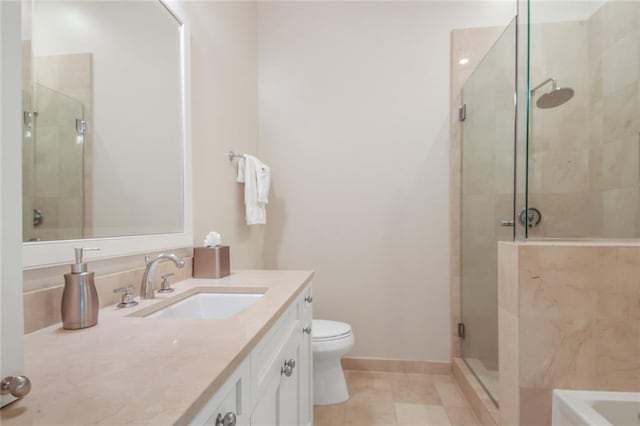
(103,120)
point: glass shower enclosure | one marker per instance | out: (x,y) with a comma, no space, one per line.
(52,165)
(583,143)
(488,188)
(561,162)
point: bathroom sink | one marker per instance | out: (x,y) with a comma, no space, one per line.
(207,305)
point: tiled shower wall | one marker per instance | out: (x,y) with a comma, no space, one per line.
(584,157)
(569,319)
(614,65)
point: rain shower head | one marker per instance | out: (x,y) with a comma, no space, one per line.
(553,98)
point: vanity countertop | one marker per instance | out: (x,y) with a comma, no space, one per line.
(132,370)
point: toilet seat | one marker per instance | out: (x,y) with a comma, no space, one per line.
(329,331)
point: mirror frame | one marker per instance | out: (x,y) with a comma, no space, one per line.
(49,253)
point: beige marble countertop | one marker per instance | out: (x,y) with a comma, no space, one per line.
(132,370)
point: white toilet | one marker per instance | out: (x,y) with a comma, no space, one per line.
(330,341)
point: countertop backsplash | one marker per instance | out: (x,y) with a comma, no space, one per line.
(43,287)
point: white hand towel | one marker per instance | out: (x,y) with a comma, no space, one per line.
(263,175)
(241,168)
(257,177)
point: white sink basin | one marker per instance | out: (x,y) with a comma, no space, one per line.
(208,306)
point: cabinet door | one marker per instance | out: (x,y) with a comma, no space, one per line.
(232,403)
(305,363)
(265,413)
(280,401)
(232,397)
(305,374)
(289,400)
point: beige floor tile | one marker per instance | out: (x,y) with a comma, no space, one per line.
(369,386)
(385,398)
(451,395)
(421,415)
(370,413)
(329,415)
(414,388)
(461,416)
(441,378)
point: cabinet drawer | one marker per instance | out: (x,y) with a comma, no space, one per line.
(232,397)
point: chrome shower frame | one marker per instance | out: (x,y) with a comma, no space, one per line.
(554,85)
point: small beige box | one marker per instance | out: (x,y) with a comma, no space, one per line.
(211,262)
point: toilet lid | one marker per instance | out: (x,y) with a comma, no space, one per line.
(329,330)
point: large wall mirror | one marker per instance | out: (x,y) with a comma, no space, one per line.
(104,121)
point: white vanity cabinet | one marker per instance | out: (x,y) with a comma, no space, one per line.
(277,398)
(229,402)
(273,385)
(306,360)
(282,369)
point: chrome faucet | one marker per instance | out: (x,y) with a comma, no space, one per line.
(146,287)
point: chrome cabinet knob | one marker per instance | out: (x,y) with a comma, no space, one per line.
(17,386)
(307,330)
(229,419)
(289,365)
(308,299)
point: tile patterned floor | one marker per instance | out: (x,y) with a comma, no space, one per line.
(380,398)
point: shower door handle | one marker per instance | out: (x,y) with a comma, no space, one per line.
(507,222)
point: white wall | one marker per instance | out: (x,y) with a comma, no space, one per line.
(136,130)
(354,121)
(224,52)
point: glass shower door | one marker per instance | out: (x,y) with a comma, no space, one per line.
(487,200)
(28,191)
(55,167)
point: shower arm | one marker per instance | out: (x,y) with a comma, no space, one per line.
(553,79)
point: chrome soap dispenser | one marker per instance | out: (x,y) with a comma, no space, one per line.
(79,298)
